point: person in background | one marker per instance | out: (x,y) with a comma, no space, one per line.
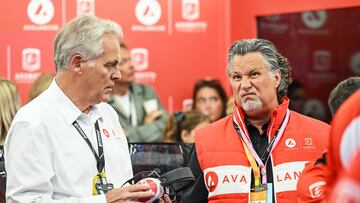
(180,126)
(9,105)
(210,99)
(40,85)
(343,156)
(312,182)
(67,144)
(139,109)
(258,153)
(297,96)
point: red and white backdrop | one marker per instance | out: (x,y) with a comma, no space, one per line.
(174,42)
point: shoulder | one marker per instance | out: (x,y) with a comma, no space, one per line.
(307,122)
(143,88)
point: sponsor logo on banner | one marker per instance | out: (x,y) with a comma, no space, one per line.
(227,179)
(322,60)
(31,64)
(317,189)
(40,13)
(314,22)
(273,24)
(148,13)
(140,60)
(190,11)
(355,63)
(314,19)
(287,175)
(85,7)
(187,104)
(31,59)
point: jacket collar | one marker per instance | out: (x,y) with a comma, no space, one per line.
(277,116)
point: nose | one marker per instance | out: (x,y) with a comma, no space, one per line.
(116,75)
(245,83)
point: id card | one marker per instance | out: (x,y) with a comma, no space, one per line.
(258,194)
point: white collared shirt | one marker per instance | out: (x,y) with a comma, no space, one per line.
(47,160)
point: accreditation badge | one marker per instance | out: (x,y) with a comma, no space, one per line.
(100,184)
(258,194)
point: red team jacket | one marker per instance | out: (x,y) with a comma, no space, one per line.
(227,171)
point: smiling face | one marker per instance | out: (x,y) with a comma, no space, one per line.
(254,85)
(99,75)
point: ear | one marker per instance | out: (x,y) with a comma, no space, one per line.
(277,78)
(75,63)
(184,136)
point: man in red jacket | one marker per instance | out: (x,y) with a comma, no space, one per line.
(258,153)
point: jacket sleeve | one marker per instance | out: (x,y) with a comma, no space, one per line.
(196,193)
(28,154)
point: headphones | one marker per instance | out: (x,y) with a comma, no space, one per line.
(173,181)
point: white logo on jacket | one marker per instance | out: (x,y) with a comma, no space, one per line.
(227,179)
(286,175)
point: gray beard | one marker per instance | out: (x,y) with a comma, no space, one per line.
(251,105)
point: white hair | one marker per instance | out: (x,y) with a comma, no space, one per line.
(82,36)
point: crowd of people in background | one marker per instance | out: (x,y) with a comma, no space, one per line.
(251,131)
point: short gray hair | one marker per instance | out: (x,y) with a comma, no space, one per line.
(82,36)
(341,92)
(274,60)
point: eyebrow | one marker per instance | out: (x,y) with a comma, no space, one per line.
(247,73)
(111,63)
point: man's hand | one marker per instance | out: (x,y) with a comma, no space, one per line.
(165,199)
(152,116)
(129,194)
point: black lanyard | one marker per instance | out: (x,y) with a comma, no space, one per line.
(100,159)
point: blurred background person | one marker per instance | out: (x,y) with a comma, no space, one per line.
(341,92)
(40,85)
(140,111)
(312,182)
(180,126)
(9,105)
(297,96)
(210,99)
(343,156)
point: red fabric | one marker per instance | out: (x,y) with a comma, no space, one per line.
(220,145)
(347,189)
(311,184)
(347,115)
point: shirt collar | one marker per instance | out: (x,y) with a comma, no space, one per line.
(66,107)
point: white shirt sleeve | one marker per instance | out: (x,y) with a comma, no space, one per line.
(29,166)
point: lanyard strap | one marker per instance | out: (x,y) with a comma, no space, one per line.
(253,164)
(264,157)
(100,159)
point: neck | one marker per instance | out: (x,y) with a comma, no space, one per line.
(121,89)
(258,122)
(70,89)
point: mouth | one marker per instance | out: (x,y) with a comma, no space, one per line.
(247,94)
